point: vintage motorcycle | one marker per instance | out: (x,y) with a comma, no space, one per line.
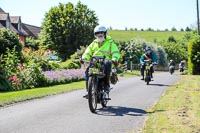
(96,84)
(171,69)
(148,74)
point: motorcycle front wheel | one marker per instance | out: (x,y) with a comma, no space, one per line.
(92,94)
(147,77)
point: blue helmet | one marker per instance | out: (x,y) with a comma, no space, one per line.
(148,48)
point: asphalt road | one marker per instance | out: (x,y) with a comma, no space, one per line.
(69,112)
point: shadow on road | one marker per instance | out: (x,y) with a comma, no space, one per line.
(120,111)
(159,84)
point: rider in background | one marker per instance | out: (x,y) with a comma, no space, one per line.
(148,55)
(103,45)
(181,66)
(172,63)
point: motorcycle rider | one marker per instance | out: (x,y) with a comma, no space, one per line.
(103,45)
(148,55)
(181,66)
(171,64)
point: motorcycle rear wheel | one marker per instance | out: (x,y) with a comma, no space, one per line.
(103,99)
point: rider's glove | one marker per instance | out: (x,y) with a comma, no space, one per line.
(81,61)
(115,62)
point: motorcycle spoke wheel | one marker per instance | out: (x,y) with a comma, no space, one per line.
(92,95)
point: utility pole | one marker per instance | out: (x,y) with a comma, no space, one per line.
(198,29)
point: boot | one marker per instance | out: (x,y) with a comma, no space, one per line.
(142,76)
(86,95)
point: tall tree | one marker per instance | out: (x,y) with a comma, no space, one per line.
(67,27)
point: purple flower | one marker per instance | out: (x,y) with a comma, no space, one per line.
(63,74)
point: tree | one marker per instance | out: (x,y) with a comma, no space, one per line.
(194,55)
(174,29)
(187,29)
(171,39)
(66,27)
(175,51)
(181,29)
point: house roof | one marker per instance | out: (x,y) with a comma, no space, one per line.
(26,29)
(3,16)
(14,19)
(13,29)
(1,10)
(1,26)
(32,30)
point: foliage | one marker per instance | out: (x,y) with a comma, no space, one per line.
(135,48)
(69,64)
(171,39)
(18,76)
(53,65)
(66,27)
(32,43)
(40,57)
(10,73)
(175,51)
(9,40)
(194,55)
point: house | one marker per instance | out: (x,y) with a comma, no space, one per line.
(15,24)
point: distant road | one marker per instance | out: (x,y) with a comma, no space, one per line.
(69,112)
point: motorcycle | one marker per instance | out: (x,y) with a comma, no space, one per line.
(181,69)
(96,84)
(148,74)
(171,69)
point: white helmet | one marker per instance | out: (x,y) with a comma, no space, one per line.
(100,28)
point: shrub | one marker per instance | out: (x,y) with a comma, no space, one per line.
(9,40)
(194,55)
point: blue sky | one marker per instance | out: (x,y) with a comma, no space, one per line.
(157,14)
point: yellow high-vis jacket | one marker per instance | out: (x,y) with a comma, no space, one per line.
(108,49)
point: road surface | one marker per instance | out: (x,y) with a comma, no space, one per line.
(69,112)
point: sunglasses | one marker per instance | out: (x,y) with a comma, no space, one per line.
(99,33)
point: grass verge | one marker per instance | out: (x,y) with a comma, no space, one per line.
(178,110)
(129,73)
(18,96)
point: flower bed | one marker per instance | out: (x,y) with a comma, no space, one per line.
(64,76)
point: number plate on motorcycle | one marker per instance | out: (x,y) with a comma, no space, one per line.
(147,67)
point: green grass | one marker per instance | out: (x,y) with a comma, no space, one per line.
(129,73)
(178,110)
(18,96)
(150,36)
